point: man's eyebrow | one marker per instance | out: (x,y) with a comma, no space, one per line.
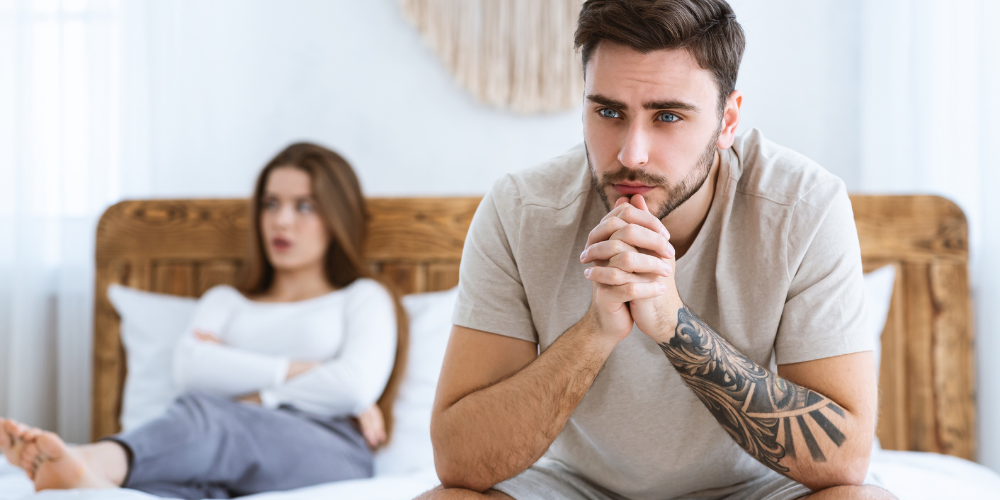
(652,105)
(669,104)
(607,101)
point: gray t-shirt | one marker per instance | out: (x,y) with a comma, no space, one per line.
(776,268)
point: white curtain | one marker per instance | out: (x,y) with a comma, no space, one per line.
(930,98)
(66,130)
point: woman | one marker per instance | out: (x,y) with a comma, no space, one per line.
(273,376)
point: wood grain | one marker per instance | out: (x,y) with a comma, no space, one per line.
(418,229)
(109,357)
(407,277)
(442,275)
(215,272)
(911,228)
(926,383)
(952,359)
(919,358)
(174,278)
(173,229)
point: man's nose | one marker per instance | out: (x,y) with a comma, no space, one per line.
(635,150)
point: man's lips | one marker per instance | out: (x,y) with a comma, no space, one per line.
(629,190)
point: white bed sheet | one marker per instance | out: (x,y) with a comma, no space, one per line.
(908,475)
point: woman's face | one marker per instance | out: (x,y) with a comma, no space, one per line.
(293,232)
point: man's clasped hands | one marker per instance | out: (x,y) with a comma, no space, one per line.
(633,273)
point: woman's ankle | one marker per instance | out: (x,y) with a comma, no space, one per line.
(108,459)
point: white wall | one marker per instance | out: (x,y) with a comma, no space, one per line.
(800,78)
(986,284)
(231,82)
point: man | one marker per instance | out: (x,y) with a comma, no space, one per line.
(641,368)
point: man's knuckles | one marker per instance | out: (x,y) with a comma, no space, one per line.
(605,250)
(642,237)
(635,262)
(604,230)
(645,219)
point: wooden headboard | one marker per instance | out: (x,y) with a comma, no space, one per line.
(185,247)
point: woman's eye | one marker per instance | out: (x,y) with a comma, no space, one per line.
(305,207)
(271,205)
(667,117)
(608,113)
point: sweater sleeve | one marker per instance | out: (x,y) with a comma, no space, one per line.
(353,380)
(220,369)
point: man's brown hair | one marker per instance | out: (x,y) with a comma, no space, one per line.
(706,28)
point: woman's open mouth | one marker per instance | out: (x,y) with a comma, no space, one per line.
(280,243)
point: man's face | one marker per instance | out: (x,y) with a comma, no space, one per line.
(651,125)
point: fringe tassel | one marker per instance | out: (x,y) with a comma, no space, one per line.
(512,54)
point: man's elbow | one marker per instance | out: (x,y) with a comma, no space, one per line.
(453,470)
(856,469)
(850,471)
(455,474)
(452,476)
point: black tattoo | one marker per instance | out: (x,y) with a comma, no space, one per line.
(789,441)
(811,443)
(756,407)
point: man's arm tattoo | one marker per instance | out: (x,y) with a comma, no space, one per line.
(756,407)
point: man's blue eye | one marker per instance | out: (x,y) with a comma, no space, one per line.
(667,117)
(608,113)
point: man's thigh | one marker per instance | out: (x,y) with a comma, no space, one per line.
(866,492)
(774,486)
(550,480)
(546,479)
(769,486)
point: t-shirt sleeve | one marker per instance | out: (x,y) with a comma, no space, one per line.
(491,296)
(824,312)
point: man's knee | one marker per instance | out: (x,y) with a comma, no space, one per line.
(441,493)
(866,492)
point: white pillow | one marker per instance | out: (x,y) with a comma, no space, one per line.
(878,296)
(410,449)
(151,326)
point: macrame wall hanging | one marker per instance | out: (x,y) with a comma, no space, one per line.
(513,54)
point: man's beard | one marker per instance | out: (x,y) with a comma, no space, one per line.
(676,194)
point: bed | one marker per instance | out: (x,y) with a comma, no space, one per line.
(927,424)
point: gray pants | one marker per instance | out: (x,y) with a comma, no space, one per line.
(212,447)
(551,480)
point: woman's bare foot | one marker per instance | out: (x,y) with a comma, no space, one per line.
(11,444)
(53,465)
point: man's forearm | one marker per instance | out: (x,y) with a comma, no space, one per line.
(789,428)
(498,431)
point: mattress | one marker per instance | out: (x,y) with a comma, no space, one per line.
(908,475)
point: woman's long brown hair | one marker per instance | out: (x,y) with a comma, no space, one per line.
(341,206)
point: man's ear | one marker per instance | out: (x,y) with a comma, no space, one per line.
(730,119)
